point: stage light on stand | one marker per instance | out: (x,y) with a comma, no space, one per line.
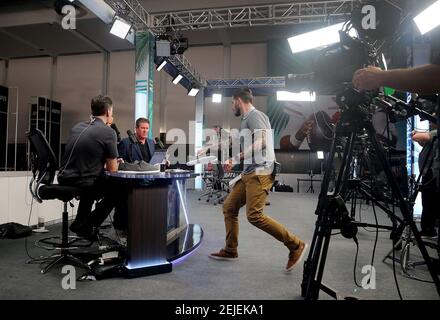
(318,38)
(428,19)
(120,27)
(177,79)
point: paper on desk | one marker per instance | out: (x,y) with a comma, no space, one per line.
(202,160)
(140,172)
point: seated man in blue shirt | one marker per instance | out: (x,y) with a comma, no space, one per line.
(143,149)
(130,151)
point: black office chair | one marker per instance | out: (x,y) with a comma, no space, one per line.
(44,166)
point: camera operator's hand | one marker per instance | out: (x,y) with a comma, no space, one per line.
(368,78)
(305,130)
(421,138)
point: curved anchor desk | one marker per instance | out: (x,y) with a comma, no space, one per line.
(156,238)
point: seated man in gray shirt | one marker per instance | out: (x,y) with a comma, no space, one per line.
(90,150)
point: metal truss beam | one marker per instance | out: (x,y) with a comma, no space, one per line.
(261,15)
(262,82)
(186,69)
(133,11)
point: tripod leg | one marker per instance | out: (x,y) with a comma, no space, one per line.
(317,255)
(345,167)
(308,287)
(402,204)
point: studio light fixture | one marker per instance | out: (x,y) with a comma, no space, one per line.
(428,19)
(120,27)
(217,97)
(317,38)
(193,92)
(296,96)
(177,79)
(162,64)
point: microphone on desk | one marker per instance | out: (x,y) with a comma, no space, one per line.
(118,133)
(132,137)
(159,143)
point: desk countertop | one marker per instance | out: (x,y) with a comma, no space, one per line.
(174,174)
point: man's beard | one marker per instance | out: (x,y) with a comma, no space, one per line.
(237,112)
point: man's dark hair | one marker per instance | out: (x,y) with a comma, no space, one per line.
(244,94)
(141,120)
(100,105)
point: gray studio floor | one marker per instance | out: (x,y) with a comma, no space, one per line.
(257,275)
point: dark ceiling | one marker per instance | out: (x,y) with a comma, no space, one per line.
(31,28)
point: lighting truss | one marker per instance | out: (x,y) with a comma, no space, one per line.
(141,21)
(132,10)
(261,15)
(262,82)
(186,69)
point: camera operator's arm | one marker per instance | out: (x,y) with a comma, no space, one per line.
(423,79)
(423,138)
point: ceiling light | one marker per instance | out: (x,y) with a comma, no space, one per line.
(428,19)
(193,92)
(318,38)
(160,67)
(296,96)
(120,27)
(177,79)
(217,97)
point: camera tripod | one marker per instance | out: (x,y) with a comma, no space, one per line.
(407,240)
(353,121)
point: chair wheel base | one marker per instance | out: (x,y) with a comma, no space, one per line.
(66,259)
(55,243)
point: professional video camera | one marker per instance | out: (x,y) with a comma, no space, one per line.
(333,68)
(332,74)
